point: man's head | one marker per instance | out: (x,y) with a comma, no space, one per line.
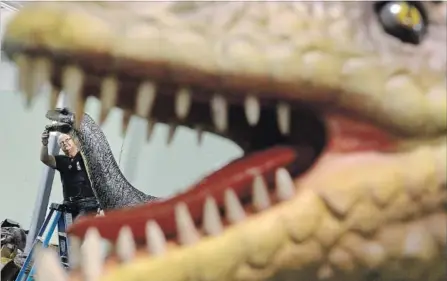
(67,145)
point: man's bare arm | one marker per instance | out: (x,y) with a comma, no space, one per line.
(46,158)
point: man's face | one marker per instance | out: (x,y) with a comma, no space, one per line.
(66,144)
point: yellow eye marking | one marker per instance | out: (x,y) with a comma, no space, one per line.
(408,15)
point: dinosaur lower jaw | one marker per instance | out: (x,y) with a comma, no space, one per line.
(383,223)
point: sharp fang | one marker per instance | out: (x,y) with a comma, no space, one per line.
(48,266)
(155,238)
(72,83)
(24,82)
(109,95)
(285,188)
(125,245)
(283,111)
(261,200)
(219,112)
(54,95)
(150,128)
(252,110)
(186,230)
(212,224)
(171,133)
(41,74)
(91,251)
(127,115)
(145,99)
(75,252)
(183,103)
(234,210)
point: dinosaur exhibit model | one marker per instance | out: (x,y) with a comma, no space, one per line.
(340,108)
(13,240)
(108,183)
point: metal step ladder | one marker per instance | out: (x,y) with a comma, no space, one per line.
(62,218)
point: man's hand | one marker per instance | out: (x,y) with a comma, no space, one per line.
(47,159)
(45,136)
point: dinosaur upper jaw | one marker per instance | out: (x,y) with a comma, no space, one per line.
(245,62)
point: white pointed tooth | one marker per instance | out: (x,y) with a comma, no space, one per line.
(219,112)
(145,99)
(150,128)
(233,207)
(23,63)
(108,96)
(54,95)
(48,266)
(186,230)
(155,238)
(285,188)
(171,133)
(261,199)
(199,131)
(252,110)
(25,83)
(74,258)
(41,74)
(212,224)
(125,244)
(72,84)
(182,102)
(283,111)
(92,258)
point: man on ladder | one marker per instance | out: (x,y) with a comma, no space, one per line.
(77,190)
(79,198)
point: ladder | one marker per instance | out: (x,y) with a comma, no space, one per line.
(62,219)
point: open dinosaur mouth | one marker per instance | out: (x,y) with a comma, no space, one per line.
(281,139)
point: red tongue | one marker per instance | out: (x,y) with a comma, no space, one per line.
(238,175)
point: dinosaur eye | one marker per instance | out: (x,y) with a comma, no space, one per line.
(404,20)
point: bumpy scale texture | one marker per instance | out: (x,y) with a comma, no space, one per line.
(109,184)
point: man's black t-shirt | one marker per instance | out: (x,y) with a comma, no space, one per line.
(75,181)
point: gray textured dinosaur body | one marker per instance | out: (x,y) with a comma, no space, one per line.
(108,182)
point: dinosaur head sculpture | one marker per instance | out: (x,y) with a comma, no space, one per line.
(63,120)
(369,205)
